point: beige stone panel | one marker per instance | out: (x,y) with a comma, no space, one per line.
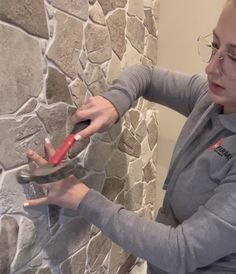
(117,165)
(148,3)
(136,33)
(110,5)
(21,71)
(76,263)
(135,172)
(28,15)
(98,44)
(78,91)
(96,14)
(131,56)
(151,49)
(146,154)
(78,8)
(134,197)
(66,46)
(114,69)
(116,23)
(136,8)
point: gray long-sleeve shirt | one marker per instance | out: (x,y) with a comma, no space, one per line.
(195,230)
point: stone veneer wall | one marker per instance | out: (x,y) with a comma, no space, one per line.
(53,55)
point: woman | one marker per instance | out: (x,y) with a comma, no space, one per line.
(195,230)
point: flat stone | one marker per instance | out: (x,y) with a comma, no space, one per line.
(129,144)
(116,23)
(136,8)
(141,131)
(134,118)
(150,189)
(56,87)
(54,119)
(108,6)
(28,107)
(78,8)
(83,59)
(17,137)
(28,15)
(97,156)
(114,69)
(152,132)
(151,49)
(72,236)
(118,257)
(98,249)
(78,90)
(33,235)
(8,239)
(136,33)
(133,198)
(21,59)
(92,74)
(131,56)
(96,14)
(146,153)
(156,11)
(112,187)
(94,180)
(98,43)
(66,47)
(76,263)
(135,172)
(117,166)
(98,87)
(149,22)
(127,265)
(149,172)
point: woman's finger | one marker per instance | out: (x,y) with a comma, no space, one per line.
(34,156)
(49,147)
(36,202)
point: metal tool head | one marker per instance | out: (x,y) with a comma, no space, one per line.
(48,173)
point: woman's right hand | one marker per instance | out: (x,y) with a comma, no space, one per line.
(100,112)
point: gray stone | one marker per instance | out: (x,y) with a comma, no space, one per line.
(28,15)
(150,189)
(108,6)
(83,59)
(92,2)
(151,49)
(114,69)
(141,131)
(116,24)
(33,235)
(112,187)
(54,119)
(136,8)
(117,165)
(136,33)
(117,258)
(96,14)
(133,198)
(149,172)
(97,156)
(94,180)
(17,137)
(98,249)
(135,172)
(21,72)
(129,144)
(127,265)
(75,264)
(146,212)
(98,87)
(78,91)
(45,270)
(146,153)
(28,107)
(69,238)
(78,8)
(56,87)
(8,239)
(92,74)
(66,47)
(97,43)
(152,133)
(149,22)
(134,118)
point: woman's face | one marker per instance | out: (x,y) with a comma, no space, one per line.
(222,88)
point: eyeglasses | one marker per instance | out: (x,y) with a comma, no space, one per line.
(207,49)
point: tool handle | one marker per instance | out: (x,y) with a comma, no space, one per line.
(68,142)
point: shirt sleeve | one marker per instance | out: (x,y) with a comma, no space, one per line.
(173,89)
(201,240)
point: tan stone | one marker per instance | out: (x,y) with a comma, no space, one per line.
(135,172)
(150,193)
(66,47)
(96,14)
(118,257)
(136,33)
(117,166)
(114,69)
(110,5)
(92,74)
(145,151)
(21,70)
(131,56)
(78,8)
(78,90)
(97,43)
(134,118)
(76,263)
(151,49)
(134,197)
(141,131)
(136,8)
(28,107)
(129,144)
(116,24)
(152,133)
(98,87)
(28,15)
(149,22)
(149,172)
(112,187)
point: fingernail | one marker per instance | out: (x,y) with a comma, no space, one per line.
(47,140)
(77,137)
(26,204)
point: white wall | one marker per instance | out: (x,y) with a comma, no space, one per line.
(181,22)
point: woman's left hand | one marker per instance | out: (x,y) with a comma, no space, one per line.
(65,193)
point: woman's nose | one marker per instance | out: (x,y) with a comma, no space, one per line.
(214,66)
